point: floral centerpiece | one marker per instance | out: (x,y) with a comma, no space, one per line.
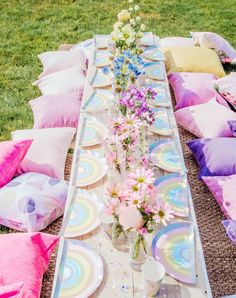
(128,29)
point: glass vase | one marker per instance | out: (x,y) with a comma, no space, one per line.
(138,253)
(119,237)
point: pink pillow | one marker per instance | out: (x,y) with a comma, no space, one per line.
(48,152)
(214,41)
(176,42)
(207,120)
(64,81)
(61,60)
(60,110)
(193,88)
(25,258)
(227,87)
(223,189)
(11,155)
(12,291)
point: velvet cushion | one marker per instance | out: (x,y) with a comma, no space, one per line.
(227,87)
(11,155)
(25,258)
(61,110)
(192,59)
(48,152)
(215,157)
(193,88)
(207,120)
(64,81)
(60,60)
(32,201)
(214,41)
(223,188)
(176,41)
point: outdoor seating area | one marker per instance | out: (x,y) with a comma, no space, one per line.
(124,185)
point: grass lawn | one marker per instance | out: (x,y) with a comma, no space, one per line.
(29,27)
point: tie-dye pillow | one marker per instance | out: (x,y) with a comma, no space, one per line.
(32,201)
(12,291)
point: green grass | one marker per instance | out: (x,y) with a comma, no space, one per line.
(28,28)
(31,27)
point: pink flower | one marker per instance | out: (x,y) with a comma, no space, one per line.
(163,213)
(130,217)
(141,176)
(142,231)
(112,206)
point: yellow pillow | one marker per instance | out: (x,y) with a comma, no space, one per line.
(192,59)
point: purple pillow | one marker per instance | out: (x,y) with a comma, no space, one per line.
(215,157)
(193,88)
(232,125)
(230,227)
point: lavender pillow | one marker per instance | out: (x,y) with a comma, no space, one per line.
(193,88)
(215,157)
(232,125)
(230,227)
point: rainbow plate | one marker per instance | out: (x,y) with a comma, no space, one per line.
(82,214)
(161,99)
(155,70)
(148,39)
(100,79)
(94,133)
(161,125)
(173,246)
(80,271)
(92,168)
(101,58)
(98,101)
(172,188)
(165,155)
(154,54)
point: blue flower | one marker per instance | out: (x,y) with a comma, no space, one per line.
(105,70)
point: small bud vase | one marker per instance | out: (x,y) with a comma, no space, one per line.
(138,253)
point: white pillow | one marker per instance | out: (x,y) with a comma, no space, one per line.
(30,202)
(214,41)
(87,48)
(226,86)
(61,60)
(176,42)
(48,151)
(64,81)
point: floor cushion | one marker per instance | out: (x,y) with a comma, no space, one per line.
(214,41)
(31,201)
(12,291)
(207,120)
(64,81)
(176,41)
(25,258)
(215,157)
(48,152)
(60,60)
(61,110)
(223,188)
(227,87)
(232,125)
(192,59)
(87,47)
(11,155)
(230,227)
(193,88)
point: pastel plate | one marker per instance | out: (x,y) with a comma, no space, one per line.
(101,58)
(147,39)
(83,214)
(94,132)
(161,125)
(172,188)
(92,168)
(154,54)
(98,101)
(162,99)
(155,70)
(101,41)
(100,79)
(80,271)
(165,155)
(173,246)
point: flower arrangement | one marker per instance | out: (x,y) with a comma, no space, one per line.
(128,29)
(126,68)
(135,101)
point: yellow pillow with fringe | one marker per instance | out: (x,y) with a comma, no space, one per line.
(193,59)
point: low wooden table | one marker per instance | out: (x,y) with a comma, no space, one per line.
(119,279)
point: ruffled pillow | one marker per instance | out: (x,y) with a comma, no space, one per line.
(227,87)
(214,41)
